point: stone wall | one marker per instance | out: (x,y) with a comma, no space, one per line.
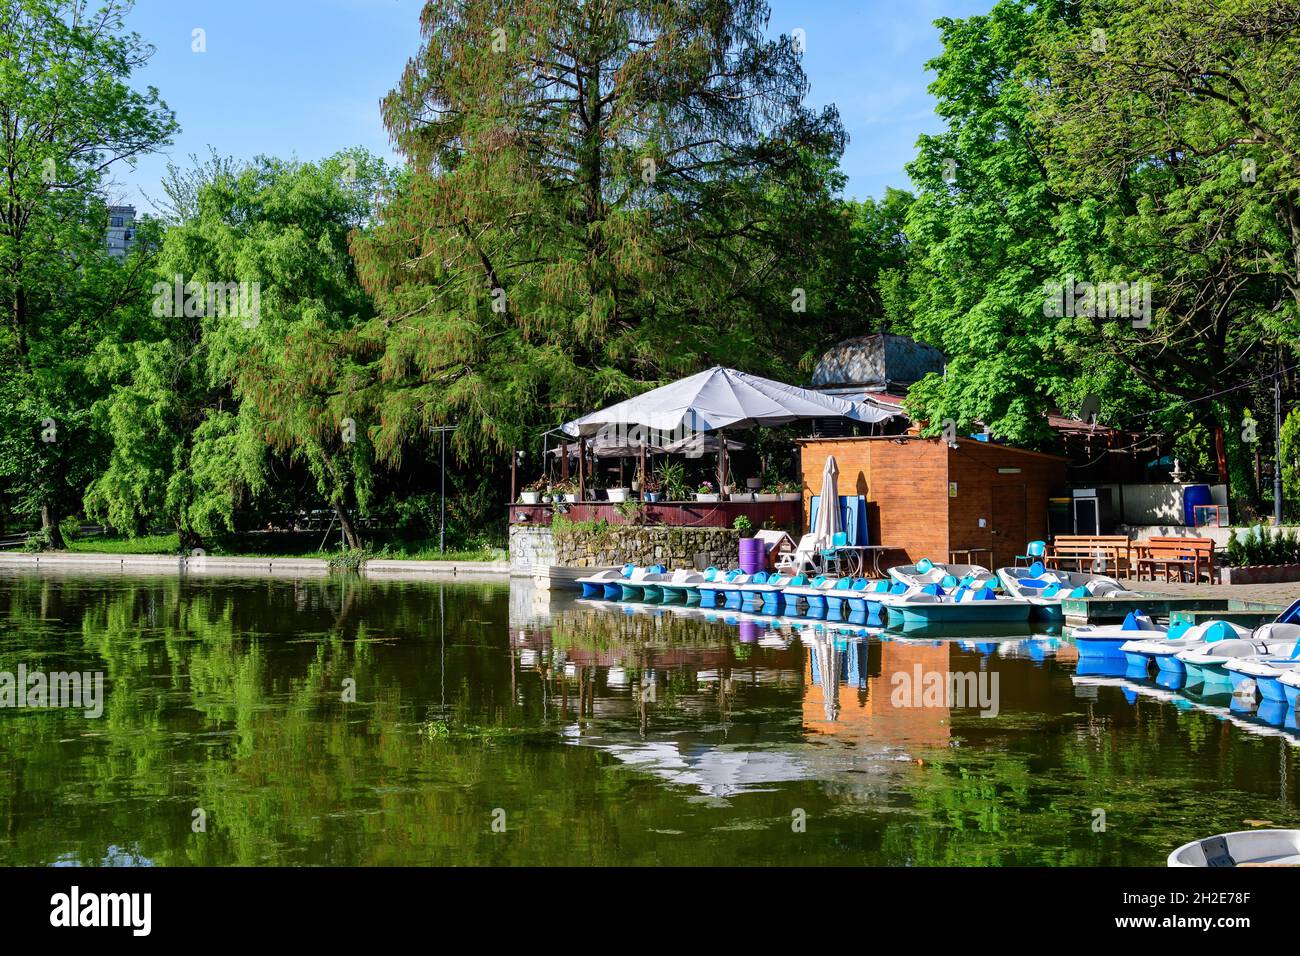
(580,546)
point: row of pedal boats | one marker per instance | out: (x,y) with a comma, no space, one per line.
(923,593)
(1219,656)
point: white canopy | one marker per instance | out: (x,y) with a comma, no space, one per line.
(721,398)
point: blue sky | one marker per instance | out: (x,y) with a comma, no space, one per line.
(304,77)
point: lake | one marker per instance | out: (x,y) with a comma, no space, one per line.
(346,721)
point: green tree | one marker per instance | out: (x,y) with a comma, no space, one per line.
(1179,115)
(207,393)
(67,116)
(602,196)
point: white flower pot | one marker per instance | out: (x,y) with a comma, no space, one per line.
(529,497)
(571,499)
(789,496)
(700,497)
(769,496)
(617,494)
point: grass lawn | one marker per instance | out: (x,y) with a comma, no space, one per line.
(248,546)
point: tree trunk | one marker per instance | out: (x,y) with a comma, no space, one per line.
(50,525)
(345,522)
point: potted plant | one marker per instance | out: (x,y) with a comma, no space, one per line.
(650,488)
(788,491)
(671,482)
(565,491)
(769,491)
(532,494)
(706,492)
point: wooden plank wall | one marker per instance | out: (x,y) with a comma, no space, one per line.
(984,493)
(906,481)
(905,484)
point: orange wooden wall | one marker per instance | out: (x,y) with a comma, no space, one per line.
(906,484)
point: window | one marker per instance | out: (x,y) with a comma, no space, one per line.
(117,222)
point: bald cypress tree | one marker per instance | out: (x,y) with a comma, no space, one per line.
(602,193)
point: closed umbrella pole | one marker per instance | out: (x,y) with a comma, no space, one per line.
(828,514)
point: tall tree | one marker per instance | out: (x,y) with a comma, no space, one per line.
(67,115)
(1182,114)
(603,193)
(213,384)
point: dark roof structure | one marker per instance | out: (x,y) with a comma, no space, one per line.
(877,362)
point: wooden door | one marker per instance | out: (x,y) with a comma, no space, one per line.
(1009,524)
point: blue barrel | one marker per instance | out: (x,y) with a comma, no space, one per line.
(1194,496)
(753,555)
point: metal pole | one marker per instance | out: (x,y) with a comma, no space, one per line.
(442,495)
(1277,437)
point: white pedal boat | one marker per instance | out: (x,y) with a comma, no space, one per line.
(1044,589)
(1105,640)
(1141,652)
(1241,848)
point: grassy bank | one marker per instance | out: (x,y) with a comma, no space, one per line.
(279,546)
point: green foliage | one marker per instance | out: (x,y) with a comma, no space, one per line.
(202,398)
(575,227)
(743,525)
(1260,545)
(71,115)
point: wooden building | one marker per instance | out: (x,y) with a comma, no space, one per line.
(929,500)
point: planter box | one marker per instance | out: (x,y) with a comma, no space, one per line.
(769,497)
(699,497)
(617,494)
(529,497)
(1260,574)
(789,496)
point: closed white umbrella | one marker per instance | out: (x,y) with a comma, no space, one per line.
(720,398)
(828,513)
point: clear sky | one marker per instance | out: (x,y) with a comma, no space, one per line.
(304,77)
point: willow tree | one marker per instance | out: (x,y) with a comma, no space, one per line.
(602,193)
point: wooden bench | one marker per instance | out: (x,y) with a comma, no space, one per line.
(1174,556)
(1078,552)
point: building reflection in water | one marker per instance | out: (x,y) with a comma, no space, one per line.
(726,703)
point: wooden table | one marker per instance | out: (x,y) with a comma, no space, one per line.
(859,554)
(969,553)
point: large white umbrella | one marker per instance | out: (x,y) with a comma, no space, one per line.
(828,512)
(721,398)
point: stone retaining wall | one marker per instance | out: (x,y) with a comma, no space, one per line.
(580,546)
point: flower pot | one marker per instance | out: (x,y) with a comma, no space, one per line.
(571,499)
(789,496)
(617,494)
(546,499)
(529,497)
(700,497)
(768,496)
(650,496)
(753,484)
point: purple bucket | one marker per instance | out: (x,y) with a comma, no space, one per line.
(753,555)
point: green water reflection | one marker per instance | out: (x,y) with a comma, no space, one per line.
(594,735)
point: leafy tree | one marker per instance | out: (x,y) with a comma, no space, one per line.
(205,395)
(67,116)
(601,196)
(1181,115)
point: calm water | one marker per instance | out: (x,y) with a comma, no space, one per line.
(587,734)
